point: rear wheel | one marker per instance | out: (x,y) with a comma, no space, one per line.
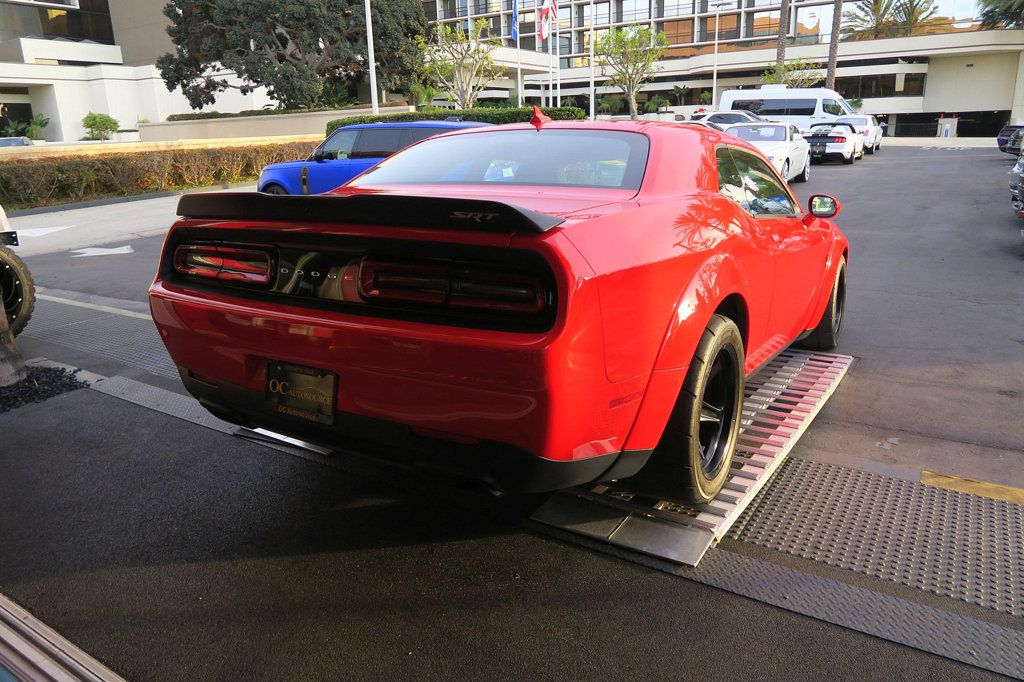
(826,335)
(17,290)
(273,188)
(849,159)
(870,150)
(692,459)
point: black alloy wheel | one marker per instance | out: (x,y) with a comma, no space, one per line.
(273,188)
(717,413)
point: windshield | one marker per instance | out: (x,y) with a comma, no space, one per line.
(759,133)
(558,158)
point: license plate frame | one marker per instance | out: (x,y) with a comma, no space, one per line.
(307,393)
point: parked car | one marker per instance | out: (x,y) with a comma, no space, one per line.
(17,290)
(726,118)
(347,152)
(803,107)
(835,141)
(869,129)
(1003,137)
(531,306)
(1016,179)
(704,124)
(15,142)
(782,144)
(1013,145)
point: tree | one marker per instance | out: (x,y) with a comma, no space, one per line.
(630,54)
(833,44)
(680,92)
(610,105)
(293,47)
(1005,13)
(460,61)
(34,129)
(783,39)
(656,102)
(869,20)
(911,16)
(99,126)
(796,73)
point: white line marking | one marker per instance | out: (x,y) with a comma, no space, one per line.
(41,231)
(97,251)
(95,306)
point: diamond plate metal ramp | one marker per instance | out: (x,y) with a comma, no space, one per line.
(780,402)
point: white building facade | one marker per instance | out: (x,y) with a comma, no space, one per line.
(946,67)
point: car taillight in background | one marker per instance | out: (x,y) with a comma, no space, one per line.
(225,263)
(839,139)
(452,285)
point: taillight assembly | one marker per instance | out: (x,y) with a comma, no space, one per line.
(453,285)
(225,263)
(839,139)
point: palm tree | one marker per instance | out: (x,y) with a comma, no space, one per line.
(911,16)
(869,19)
(1005,13)
(680,92)
(780,48)
(833,44)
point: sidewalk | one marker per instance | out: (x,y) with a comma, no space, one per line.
(972,142)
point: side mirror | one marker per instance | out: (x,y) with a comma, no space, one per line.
(823,206)
(318,155)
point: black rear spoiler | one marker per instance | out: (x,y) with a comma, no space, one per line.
(369,209)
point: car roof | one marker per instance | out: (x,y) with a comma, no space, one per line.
(447,125)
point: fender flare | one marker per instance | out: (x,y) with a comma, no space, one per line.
(715,280)
(840,249)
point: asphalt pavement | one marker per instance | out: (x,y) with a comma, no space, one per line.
(170,551)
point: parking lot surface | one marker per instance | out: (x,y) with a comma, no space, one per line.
(168,550)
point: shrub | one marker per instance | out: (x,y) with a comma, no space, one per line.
(58,180)
(483,114)
(100,126)
(202,115)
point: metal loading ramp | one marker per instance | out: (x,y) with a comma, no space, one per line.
(780,402)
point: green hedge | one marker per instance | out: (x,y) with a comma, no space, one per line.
(483,114)
(59,180)
(202,115)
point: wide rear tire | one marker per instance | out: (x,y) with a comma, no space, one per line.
(830,327)
(693,458)
(18,290)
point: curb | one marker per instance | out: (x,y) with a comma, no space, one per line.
(56,208)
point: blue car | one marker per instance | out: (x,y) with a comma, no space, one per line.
(348,152)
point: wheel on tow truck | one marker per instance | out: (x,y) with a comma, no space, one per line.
(693,458)
(17,289)
(826,335)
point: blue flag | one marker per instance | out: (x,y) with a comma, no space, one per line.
(515,20)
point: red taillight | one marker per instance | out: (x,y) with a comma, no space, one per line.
(839,139)
(454,285)
(225,263)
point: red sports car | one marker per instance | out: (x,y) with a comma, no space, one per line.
(532,306)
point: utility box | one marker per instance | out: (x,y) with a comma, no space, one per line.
(947,127)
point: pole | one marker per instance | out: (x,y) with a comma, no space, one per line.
(375,106)
(593,92)
(519,56)
(558,55)
(714,72)
(551,67)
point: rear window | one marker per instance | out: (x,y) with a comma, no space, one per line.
(557,158)
(853,121)
(760,133)
(374,143)
(777,107)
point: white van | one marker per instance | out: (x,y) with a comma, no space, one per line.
(803,107)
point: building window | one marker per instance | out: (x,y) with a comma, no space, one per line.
(728,29)
(762,24)
(913,85)
(633,10)
(679,32)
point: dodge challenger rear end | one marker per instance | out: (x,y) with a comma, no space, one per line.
(516,305)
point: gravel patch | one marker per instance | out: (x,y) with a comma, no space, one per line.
(42,383)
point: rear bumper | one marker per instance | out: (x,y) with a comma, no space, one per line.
(496,465)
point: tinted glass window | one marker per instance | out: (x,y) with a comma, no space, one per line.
(730,184)
(374,143)
(767,194)
(769,133)
(853,121)
(417,134)
(830,106)
(339,145)
(565,158)
(727,118)
(777,107)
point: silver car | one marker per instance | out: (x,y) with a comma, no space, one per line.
(1016,177)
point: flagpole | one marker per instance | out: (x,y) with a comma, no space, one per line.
(519,56)
(375,107)
(551,66)
(593,92)
(558,56)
